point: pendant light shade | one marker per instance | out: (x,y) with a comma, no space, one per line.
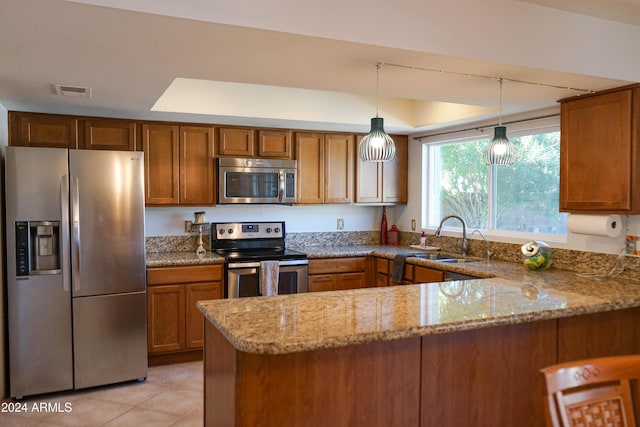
(377,145)
(499,151)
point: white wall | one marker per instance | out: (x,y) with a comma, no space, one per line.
(170,221)
(573,241)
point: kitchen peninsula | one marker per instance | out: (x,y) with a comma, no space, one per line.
(461,353)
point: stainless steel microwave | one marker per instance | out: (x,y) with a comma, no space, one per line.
(244,180)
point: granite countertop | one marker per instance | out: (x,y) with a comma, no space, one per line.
(508,293)
(173,259)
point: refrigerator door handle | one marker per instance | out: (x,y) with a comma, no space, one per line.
(64,225)
(75,212)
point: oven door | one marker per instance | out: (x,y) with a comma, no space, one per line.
(243,278)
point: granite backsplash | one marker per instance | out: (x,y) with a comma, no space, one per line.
(564,259)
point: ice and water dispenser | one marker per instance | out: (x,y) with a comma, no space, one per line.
(37,247)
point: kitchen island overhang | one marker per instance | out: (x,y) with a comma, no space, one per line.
(409,355)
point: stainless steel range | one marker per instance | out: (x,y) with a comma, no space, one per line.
(247,246)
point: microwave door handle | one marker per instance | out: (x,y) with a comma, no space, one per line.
(281,182)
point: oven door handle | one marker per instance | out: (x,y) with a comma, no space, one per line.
(283,263)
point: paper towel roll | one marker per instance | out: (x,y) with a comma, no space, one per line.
(595,225)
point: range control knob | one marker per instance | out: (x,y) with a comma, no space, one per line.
(277,230)
(221,231)
(268,229)
(230,231)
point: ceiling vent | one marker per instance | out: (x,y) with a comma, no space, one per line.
(77,91)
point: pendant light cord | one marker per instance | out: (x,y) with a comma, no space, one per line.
(500,114)
(377,86)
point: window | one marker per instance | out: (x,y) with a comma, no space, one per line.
(519,198)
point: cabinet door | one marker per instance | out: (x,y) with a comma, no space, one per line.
(322,282)
(236,142)
(195,320)
(275,143)
(196,166)
(165,318)
(599,154)
(350,281)
(382,271)
(338,176)
(368,179)
(426,275)
(104,134)
(310,156)
(161,165)
(394,173)
(43,130)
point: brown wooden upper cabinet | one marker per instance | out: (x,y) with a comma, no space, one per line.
(383,183)
(42,130)
(58,131)
(275,144)
(236,142)
(599,163)
(325,168)
(178,165)
(109,134)
(241,142)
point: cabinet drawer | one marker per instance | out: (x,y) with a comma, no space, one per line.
(426,275)
(187,274)
(336,265)
(382,265)
(322,283)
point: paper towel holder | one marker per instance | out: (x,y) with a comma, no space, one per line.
(604,225)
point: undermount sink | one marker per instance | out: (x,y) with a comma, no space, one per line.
(457,260)
(444,258)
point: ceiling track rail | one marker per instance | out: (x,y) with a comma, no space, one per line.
(481,76)
(481,128)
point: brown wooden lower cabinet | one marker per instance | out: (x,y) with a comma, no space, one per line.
(174,324)
(486,377)
(412,273)
(481,377)
(337,274)
(600,334)
(370,385)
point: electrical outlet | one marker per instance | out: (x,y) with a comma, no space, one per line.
(340,224)
(413,224)
(188,226)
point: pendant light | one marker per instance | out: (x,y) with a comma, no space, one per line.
(377,145)
(500,151)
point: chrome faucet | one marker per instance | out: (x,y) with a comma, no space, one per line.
(486,243)
(464,247)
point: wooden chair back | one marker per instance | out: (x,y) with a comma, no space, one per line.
(593,392)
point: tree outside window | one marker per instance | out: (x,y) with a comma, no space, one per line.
(521,198)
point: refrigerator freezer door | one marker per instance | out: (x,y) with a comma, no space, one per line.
(40,353)
(107,213)
(39,306)
(110,339)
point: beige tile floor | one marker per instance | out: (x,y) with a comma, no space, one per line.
(172,395)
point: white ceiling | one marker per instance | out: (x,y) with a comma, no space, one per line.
(311,64)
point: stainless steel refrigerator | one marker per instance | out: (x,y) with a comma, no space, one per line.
(76,288)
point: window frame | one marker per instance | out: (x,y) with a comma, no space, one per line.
(429,219)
